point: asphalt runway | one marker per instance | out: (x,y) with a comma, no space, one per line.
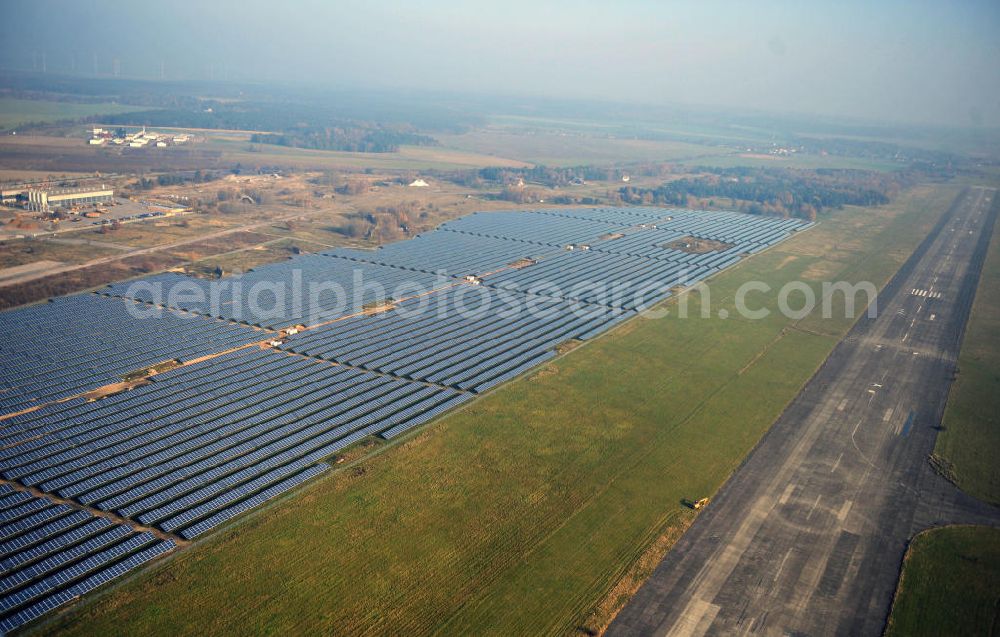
(808,536)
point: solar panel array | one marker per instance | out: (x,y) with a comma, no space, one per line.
(52,553)
(536,227)
(732,227)
(452,253)
(467,337)
(632,268)
(281,295)
(236,426)
(612,280)
(618,216)
(200,439)
(76,343)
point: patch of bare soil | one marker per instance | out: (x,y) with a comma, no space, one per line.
(696,245)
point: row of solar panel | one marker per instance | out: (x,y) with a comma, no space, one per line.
(99,571)
(196,437)
(144,432)
(56,387)
(52,553)
(460,254)
(61,322)
(612,280)
(451,344)
(424,320)
(138,437)
(308,289)
(232,511)
(733,227)
(179,458)
(588,226)
(56,433)
(622,216)
(27,428)
(477,244)
(748,232)
(454,254)
(540,229)
(77,343)
(104,368)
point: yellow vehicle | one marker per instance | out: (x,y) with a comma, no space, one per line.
(700,504)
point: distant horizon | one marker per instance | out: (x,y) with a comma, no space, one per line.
(276,86)
(911,63)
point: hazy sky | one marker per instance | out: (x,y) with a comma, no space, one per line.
(898,61)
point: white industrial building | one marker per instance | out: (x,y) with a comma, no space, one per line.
(41,200)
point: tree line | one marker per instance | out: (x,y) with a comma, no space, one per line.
(358,139)
(176,179)
(776,191)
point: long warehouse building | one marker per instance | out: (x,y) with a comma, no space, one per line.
(45,200)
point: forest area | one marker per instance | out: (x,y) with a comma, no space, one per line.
(786,192)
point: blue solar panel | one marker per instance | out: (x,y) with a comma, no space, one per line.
(203,443)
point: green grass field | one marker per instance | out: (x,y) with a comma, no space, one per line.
(573,142)
(950,584)
(15,112)
(560,149)
(540,507)
(970,441)
(805,161)
(236,148)
(517,142)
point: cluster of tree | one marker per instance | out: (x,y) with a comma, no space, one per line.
(384,224)
(545,176)
(553,177)
(517,194)
(567,200)
(232,207)
(357,226)
(108,228)
(331,178)
(875,150)
(195,117)
(353,187)
(176,179)
(775,191)
(352,138)
(234,200)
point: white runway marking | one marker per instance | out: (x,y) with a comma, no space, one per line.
(781,566)
(696,621)
(812,509)
(786,494)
